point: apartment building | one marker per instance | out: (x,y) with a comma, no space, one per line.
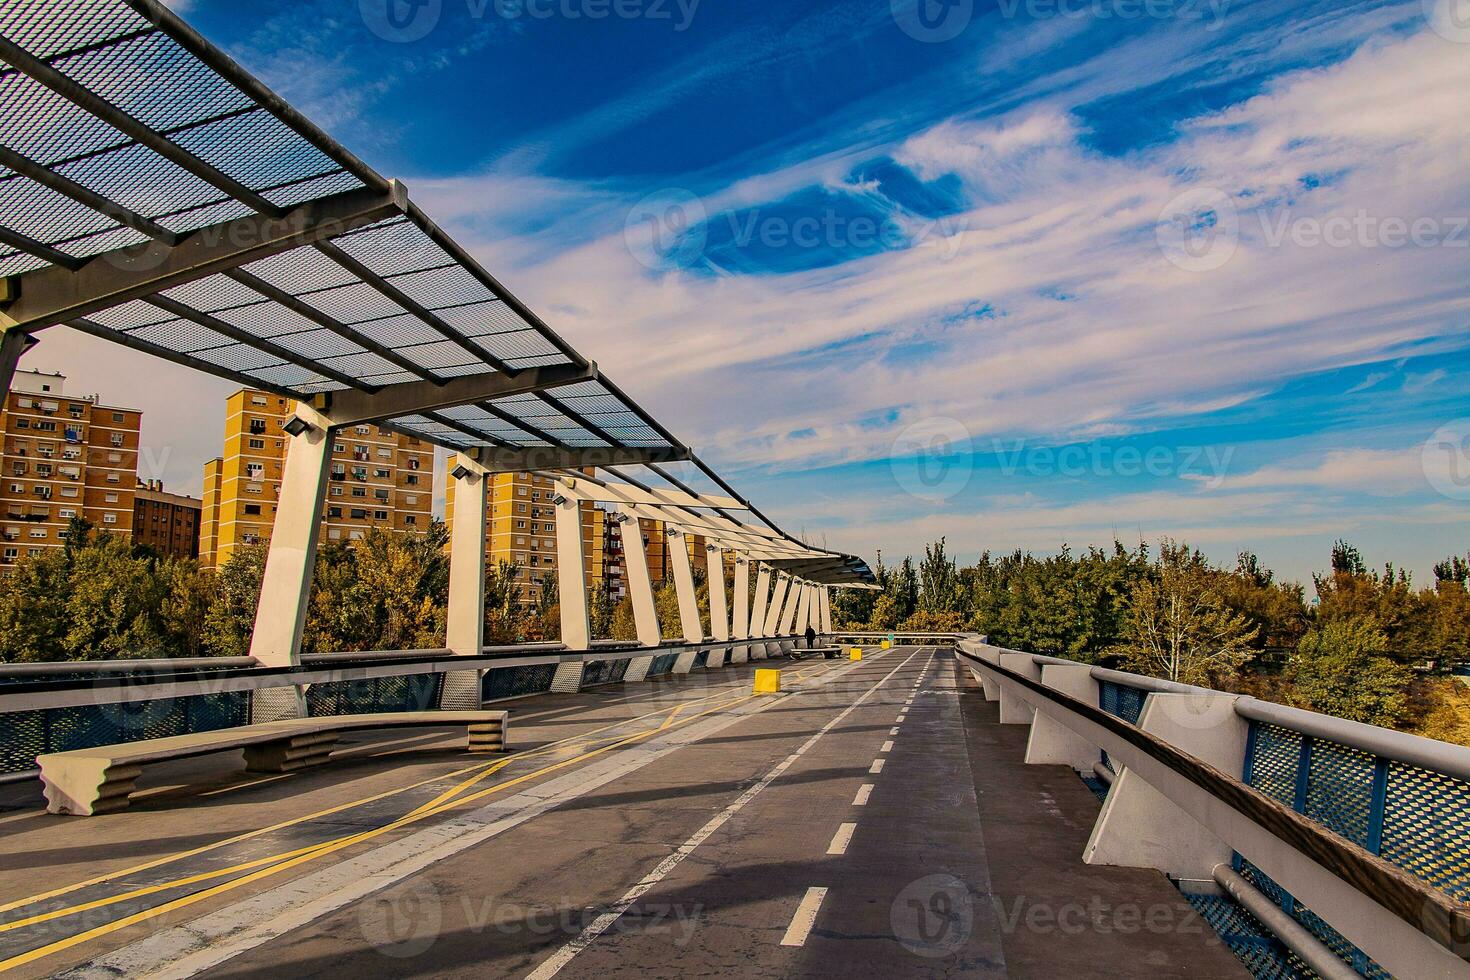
(378,478)
(166,522)
(65,456)
(521,530)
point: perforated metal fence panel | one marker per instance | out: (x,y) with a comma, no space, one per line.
(604,672)
(663,663)
(372,695)
(510,682)
(27,734)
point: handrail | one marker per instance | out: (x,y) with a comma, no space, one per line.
(1412,750)
(1417,903)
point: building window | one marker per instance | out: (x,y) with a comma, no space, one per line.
(257,427)
(380,515)
(110,498)
(334,511)
(109,518)
(410,519)
(117,416)
(254,472)
(252,509)
(257,443)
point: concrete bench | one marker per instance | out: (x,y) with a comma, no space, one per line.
(84,782)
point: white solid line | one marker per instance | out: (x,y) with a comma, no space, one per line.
(841,839)
(864,791)
(876,767)
(887,747)
(553,965)
(805,918)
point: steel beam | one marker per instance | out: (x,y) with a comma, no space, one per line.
(46,297)
(418,397)
(13,343)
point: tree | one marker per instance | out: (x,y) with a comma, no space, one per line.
(33,609)
(600,609)
(1342,668)
(1181,628)
(940,590)
(231,618)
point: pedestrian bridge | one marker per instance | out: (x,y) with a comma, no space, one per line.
(933,805)
(936,807)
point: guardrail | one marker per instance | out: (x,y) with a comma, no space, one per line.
(907,637)
(55,707)
(1358,836)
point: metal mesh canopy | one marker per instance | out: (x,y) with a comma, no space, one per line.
(154,194)
(126,138)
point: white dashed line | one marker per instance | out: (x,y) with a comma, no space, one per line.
(841,839)
(864,791)
(877,767)
(805,918)
(893,730)
(887,747)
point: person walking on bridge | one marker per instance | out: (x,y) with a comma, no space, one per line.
(811,637)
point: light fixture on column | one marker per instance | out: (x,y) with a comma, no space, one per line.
(711,548)
(296,425)
(460,472)
(558,500)
(675,533)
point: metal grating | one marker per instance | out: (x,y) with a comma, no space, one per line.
(1329,937)
(511,682)
(1123,702)
(1426,827)
(603,672)
(1252,943)
(27,734)
(371,695)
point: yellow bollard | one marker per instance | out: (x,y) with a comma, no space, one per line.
(887,645)
(767,682)
(856,654)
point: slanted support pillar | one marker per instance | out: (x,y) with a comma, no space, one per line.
(689,622)
(465,630)
(762,600)
(571,581)
(826,626)
(13,343)
(285,588)
(794,595)
(778,602)
(740,620)
(803,609)
(719,609)
(1015,707)
(640,593)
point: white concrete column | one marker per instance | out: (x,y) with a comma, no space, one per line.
(1015,706)
(684,585)
(719,609)
(1051,742)
(571,587)
(778,600)
(640,584)
(826,626)
(571,575)
(762,599)
(285,588)
(803,609)
(1139,827)
(740,621)
(465,634)
(465,617)
(793,606)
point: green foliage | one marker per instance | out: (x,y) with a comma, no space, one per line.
(1342,668)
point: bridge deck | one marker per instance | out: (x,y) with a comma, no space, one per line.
(669,829)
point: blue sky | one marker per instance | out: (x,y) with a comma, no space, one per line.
(1016,271)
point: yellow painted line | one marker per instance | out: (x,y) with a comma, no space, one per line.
(253,782)
(330,811)
(289,859)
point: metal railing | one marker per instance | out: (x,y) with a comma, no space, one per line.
(1359,834)
(55,707)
